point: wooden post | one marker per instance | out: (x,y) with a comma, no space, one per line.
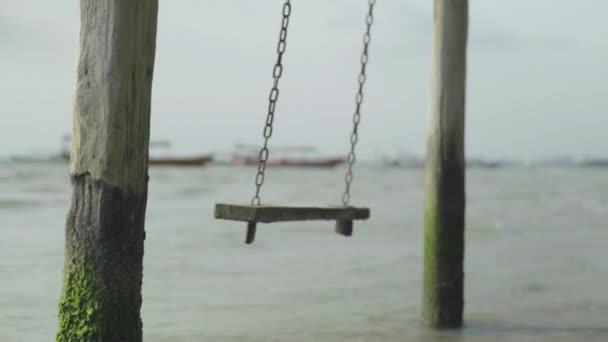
(101,297)
(445,170)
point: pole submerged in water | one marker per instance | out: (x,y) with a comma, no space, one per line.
(444,216)
(101,297)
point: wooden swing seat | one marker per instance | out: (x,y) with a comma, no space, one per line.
(269,213)
(252,214)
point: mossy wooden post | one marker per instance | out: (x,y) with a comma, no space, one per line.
(445,170)
(104,244)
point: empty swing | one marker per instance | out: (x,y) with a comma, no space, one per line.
(256,212)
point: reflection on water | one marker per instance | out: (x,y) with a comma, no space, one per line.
(535,267)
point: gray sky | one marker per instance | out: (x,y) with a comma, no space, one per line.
(536,84)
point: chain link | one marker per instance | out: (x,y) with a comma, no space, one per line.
(277,71)
(354,136)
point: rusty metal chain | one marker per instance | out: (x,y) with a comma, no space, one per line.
(354,136)
(277,71)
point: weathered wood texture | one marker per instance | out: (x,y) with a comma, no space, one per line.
(443,298)
(101,297)
(268,214)
(115,69)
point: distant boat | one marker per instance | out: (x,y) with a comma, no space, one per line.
(403,160)
(483,164)
(291,162)
(33,159)
(415,162)
(595,163)
(173,161)
(185,161)
(285,157)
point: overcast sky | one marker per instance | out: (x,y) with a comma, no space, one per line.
(536,84)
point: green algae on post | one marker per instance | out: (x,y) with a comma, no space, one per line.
(79,306)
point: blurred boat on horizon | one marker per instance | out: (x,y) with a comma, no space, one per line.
(165,159)
(287,156)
